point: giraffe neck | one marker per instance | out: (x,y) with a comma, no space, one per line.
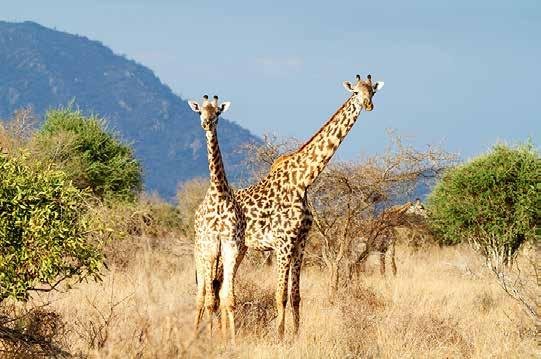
(310,160)
(218,179)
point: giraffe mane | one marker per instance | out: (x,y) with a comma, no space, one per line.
(282,158)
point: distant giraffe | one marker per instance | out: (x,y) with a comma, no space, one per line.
(276,208)
(219,229)
(382,233)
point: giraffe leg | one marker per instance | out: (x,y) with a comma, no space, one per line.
(393,261)
(210,283)
(200,296)
(231,317)
(283,262)
(209,300)
(295,273)
(232,255)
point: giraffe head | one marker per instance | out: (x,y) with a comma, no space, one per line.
(364,90)
(209,111)
(417,209)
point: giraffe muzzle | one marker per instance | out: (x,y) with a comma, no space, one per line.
(368,106)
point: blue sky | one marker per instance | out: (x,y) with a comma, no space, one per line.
(463,74)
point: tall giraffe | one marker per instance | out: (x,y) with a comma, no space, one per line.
(276,208)
(219,229)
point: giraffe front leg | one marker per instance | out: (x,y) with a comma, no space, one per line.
(232,254)
(240,256)
(283,262)
(393,256)
(200,296)
(210,296)
(295,273)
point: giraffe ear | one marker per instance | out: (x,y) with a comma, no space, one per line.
(378,85)
(348,86)
(194,106)
(225,106)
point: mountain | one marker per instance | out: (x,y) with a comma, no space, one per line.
(45,68)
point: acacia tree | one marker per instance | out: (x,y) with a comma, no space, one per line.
(18,131)
(260,157)
(349,201)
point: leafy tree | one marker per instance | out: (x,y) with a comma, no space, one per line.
(92,157)
(490,201)
(43,229)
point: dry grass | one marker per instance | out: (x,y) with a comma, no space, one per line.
(441,304)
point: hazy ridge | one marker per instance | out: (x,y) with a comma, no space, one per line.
(45,68)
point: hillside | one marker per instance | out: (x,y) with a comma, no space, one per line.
(45,68)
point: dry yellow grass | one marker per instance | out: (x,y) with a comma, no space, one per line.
(443,303)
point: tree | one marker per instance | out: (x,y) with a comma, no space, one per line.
(490,201)
(259,157)
(350,199)
(92,157)
(44,234)
(18,131)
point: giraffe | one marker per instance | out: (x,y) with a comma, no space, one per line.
(219,227)
(276,208)
(382,233)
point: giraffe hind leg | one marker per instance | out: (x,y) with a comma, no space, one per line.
(393,260)
(200,299)
(283,262)
(295,274)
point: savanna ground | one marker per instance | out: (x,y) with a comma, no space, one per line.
(443,303)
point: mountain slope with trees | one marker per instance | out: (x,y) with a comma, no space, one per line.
(45,68)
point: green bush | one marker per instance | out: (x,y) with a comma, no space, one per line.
(92,157)
(44,235)
(491,201)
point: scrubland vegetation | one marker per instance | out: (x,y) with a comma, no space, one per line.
(92,267)
(444,302)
